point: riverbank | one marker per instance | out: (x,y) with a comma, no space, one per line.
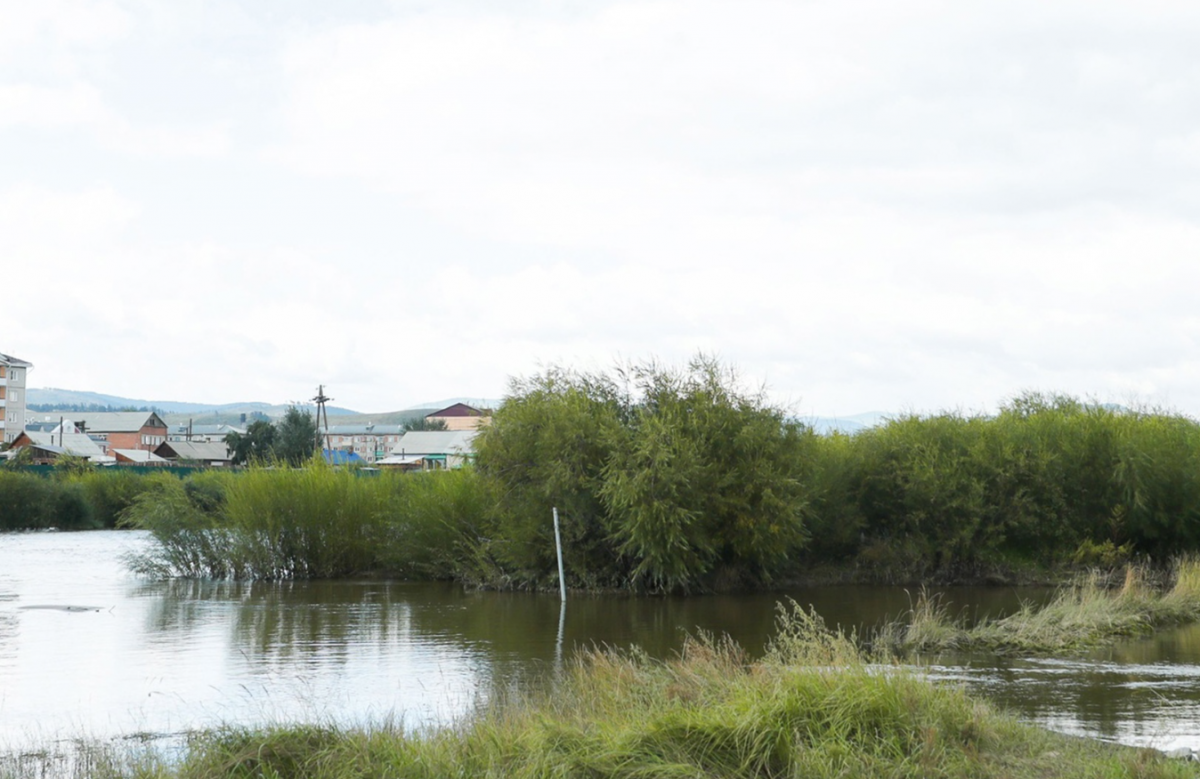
(813,706)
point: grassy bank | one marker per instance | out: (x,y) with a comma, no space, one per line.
(1091,612)
(814,706)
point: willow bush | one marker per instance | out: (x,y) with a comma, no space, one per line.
(666,479)
(315,522)
(681,479)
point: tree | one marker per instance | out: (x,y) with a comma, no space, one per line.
(255,445)
(424,423)
(297,437)
(666,479)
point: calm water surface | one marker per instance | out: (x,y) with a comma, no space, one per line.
(88,650)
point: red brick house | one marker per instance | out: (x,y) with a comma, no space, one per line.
(143,430)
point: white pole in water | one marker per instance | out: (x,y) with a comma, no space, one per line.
(562,581)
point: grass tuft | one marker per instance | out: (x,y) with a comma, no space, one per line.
(1084,615)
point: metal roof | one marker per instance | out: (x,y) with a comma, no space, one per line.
(8,359)
(425,442)
(75,444)
(193,450)
(140,456)
(366,429)
(111,421)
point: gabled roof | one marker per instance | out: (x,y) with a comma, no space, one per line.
(201,451)
(457,410)
(115,421)
(140,456)
(8,359)
(366,429)
(205,430)
(422,442)
(74,444)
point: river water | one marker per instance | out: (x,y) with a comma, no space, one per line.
(87,650)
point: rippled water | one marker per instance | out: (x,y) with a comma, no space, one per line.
(88,650)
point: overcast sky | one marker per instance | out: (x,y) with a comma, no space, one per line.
(864,204)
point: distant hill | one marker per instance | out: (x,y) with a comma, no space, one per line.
(79,400)
(846,424)
(179,412)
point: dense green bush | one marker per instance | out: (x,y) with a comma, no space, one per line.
(29,502)
(313,522)
(665,479)
(677,480)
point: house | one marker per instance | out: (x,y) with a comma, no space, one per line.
(143,430)
(47,446)
(430,449)
(212,453)
(12,397)
(460,416)
(202,433)
(370,442)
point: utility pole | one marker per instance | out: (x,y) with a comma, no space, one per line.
(321,400)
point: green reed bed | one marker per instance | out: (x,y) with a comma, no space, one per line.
(1084,615)
(314,522)
(814,706)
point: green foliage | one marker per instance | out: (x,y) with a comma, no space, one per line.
(424,423)
(313,522)
(679,479)
(29,502)
(547,447)
(664,478)
(297,437)
(1090,613)
(256,445)
(709,478)
(110,491)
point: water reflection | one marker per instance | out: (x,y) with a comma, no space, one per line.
(165,657)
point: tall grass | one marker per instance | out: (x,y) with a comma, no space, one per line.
(813,707)
(314,522)
(29,502)
(1090,612)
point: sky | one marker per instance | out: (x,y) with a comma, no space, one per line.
(863,205)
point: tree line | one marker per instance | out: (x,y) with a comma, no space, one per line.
(682,479)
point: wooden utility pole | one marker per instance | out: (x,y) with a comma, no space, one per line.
(321,400)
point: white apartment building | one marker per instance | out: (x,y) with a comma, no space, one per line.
(12,397)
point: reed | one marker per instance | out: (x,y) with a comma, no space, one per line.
(29,502)
(814,706)
(314,522)
(1083,615)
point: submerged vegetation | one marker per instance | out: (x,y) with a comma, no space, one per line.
(814,706)
(1089,613)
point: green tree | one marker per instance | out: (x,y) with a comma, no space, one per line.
(257,444)
(297,437)
(665,479)
(424,423)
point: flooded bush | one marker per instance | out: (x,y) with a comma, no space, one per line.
(29,502)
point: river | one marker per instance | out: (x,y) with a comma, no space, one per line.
(88,650)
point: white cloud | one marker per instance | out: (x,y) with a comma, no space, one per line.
(870,204)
